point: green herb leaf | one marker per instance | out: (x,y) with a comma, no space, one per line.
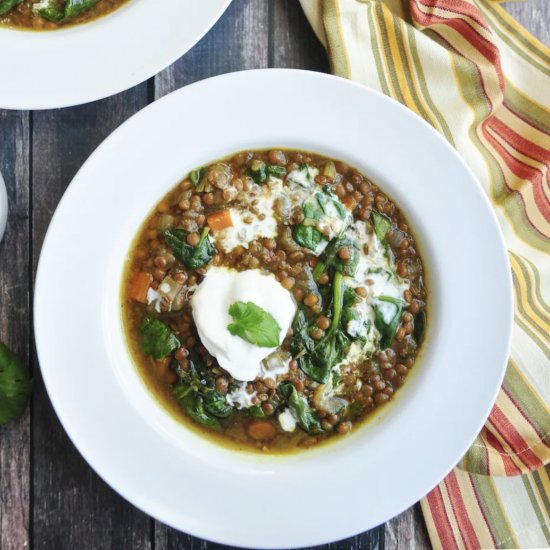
(308,237)
(196,175)
(382,225)
(257,172)
(275,171)
(192,256)
(388,330)
(303,176)
(330,260)
(256,411)
(316,359)
(157,340)
(197,394)
(216,404)
(7,5)
(254,324)
(307,420)
(52,10)
(420,326)
(76,7)
(15,386)
(194,406)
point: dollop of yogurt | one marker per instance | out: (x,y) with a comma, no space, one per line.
(211,301)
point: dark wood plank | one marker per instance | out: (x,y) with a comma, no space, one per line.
(72,507)
(292,41)
(15,468)
(237,42)
(407,530)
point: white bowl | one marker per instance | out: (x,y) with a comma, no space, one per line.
(73,65)
(244,499)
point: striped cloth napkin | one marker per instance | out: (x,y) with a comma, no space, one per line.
(483,82)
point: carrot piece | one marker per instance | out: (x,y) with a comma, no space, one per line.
(165,372)
(219,220)
(350,203)
(261,430)
(139,285)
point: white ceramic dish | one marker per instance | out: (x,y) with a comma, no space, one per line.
(316,496)
(83,63)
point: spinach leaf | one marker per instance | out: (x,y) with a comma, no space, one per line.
(216,404)
(196,175)
(15,386)
(316,359)
(157,340)
(328,352)
(301,341)
(308,237)
(382,225)
(307,419)
(257,172)
(59,11)
(304,176)
(419,326)
(331,261)
(256,411)
(194,406)
(7,5)
(355,325)
(387,330)
(192,256)
(254,324)
(196,393)
(275,171)
(329,203)
(76,7)
(52,10)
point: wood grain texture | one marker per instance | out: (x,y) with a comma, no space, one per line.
(15,468)
(237,42)
(72,507)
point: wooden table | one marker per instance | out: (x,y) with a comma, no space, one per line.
(49,496)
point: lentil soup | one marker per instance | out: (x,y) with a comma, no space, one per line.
(45,15)
(274,299)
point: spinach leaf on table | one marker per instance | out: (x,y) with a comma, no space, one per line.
(192,256)
(254,324)
(157,339)
(15,386)
(307,419)
(7,5)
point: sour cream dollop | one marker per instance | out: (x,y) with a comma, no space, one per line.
(221,288)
